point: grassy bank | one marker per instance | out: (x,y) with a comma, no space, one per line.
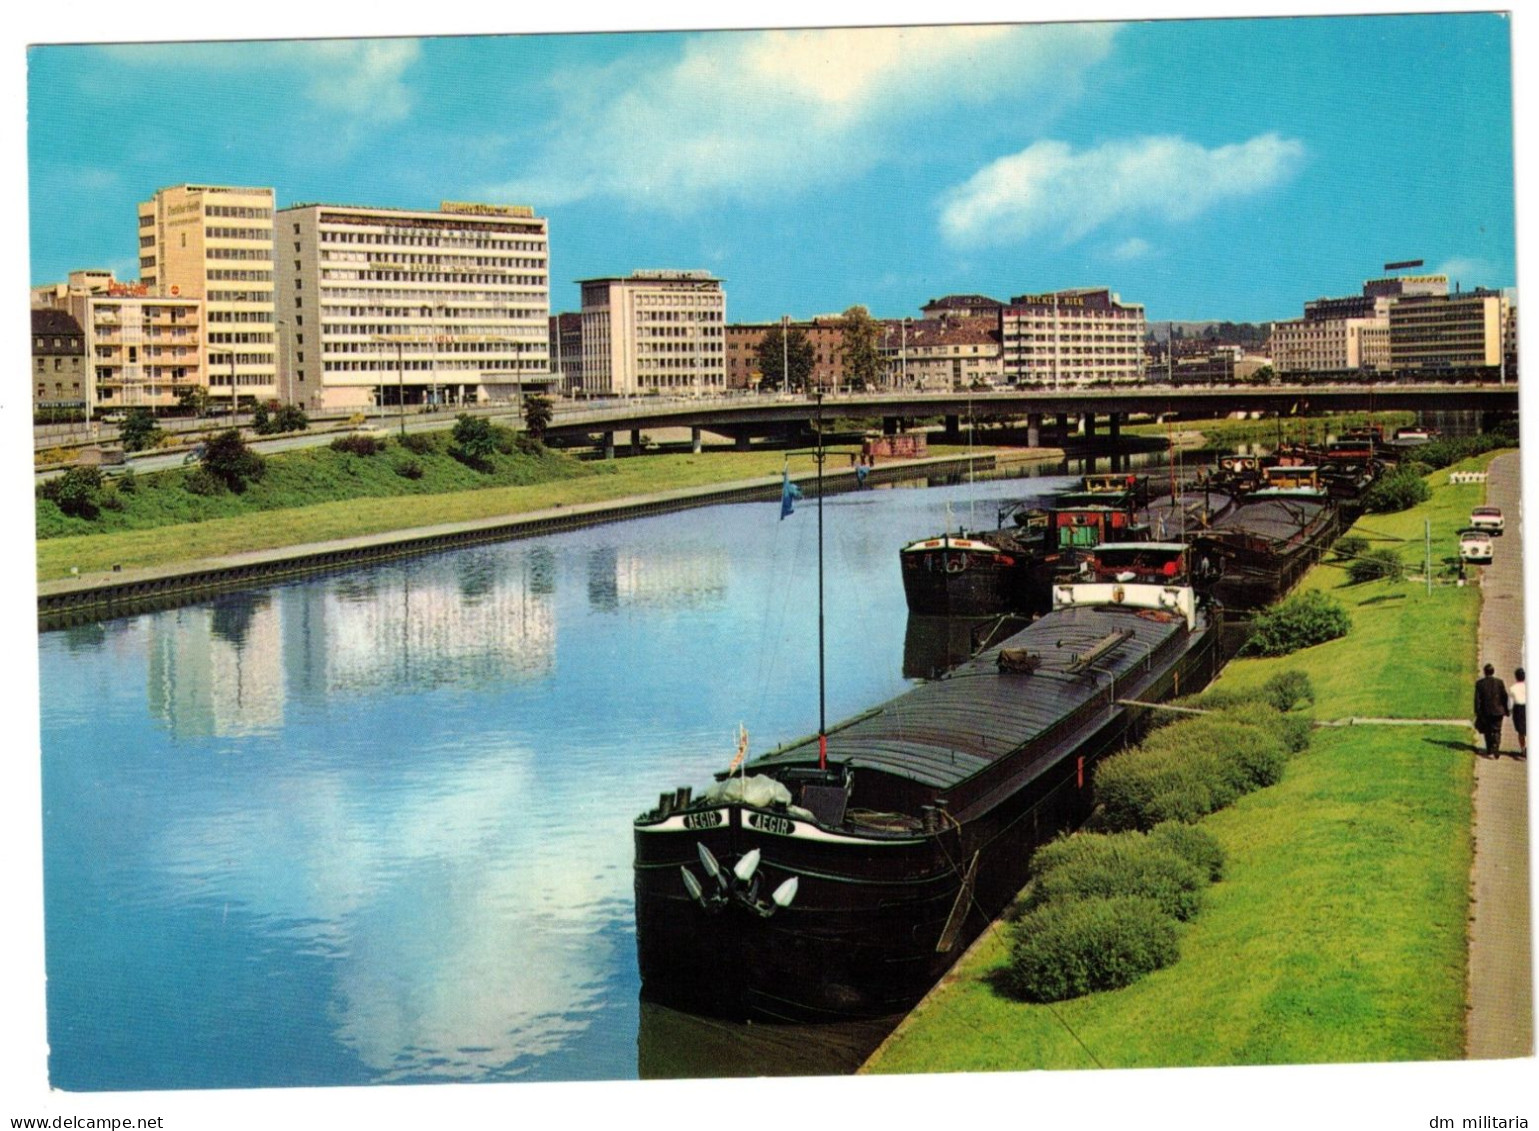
(1227,433)
(1338,932)
(315,495)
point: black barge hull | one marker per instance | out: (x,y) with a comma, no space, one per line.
(881,913)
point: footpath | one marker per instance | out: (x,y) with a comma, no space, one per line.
(1501,989)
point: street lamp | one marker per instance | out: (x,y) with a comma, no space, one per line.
(785,352)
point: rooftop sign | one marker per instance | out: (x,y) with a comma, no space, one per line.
(471,208)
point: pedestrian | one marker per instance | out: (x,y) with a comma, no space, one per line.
(1519,694)
(1490,710)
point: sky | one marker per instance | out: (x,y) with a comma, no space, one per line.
(1208,169)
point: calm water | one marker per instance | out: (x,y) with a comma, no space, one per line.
(376,827)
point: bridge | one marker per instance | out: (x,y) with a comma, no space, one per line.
(747,415)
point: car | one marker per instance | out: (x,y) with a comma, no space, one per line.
(114,417)
(1475,546)
(1488,518)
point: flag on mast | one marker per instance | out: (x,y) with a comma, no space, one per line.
(789,492)
(742,747)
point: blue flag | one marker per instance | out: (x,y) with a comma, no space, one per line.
(789,493)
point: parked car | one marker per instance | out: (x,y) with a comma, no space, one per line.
(1488,518)
(1476,546)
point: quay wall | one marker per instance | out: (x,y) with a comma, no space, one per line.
(125,592)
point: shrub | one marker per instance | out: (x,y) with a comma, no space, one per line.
(1189,769)
(1398,491)
(1103,865)
(422,443)
(227,458)
(1193,844)
(409,469)
(201,481)
(504,439)
(76,492)
(1286,690)
(1067,950)
(1376,565)
(357,444)
(357,419)
(1301,621)
(1350,546)
(475,439)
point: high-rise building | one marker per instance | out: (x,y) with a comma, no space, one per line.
(1080,337)
(397,306)
(654,331)
(1453,335)
(566,350)
(215,243)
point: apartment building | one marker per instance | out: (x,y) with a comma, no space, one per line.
(825,334)
(396,306)
(1078,337)
(214,243)
(654,332)
(953,351)
(60,379)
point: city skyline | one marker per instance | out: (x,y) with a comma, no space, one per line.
(1176,162)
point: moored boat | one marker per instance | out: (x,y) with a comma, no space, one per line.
(840,875)
(978,574)
(1265,544)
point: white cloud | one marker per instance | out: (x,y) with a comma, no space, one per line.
(363,78)
(1134,248)
(1049,187)
(752,114)
(1468,273)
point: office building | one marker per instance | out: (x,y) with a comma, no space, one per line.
(654,332)
(1079,337)
(215,243)
(382,306)
(60,379)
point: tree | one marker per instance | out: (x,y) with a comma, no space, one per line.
(475,439)
(139,430)
(780,353)
(193,399)
(862,364)
(537,415)
(227,458)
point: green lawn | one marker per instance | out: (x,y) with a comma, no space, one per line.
(326,503)
(1338,932)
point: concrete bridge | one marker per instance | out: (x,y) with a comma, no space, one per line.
(745,416)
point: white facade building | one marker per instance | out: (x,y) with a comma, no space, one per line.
(654,332)
(390,306)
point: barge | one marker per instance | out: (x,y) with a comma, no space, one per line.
(839,876)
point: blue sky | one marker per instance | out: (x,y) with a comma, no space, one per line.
(1206,168)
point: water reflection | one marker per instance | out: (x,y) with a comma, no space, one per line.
(376,827)
(677,1046)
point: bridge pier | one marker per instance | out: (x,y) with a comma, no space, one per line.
(635,441)
(953,429)
(694,439)
(1063,428)
(741,441)
(1033,429)
(889,426)
(1114,426)
(607,445)
(1088,423)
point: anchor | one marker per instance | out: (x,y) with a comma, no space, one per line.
(740,885)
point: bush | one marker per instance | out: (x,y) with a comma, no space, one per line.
(1067,950)
(1103,865)
(1301,621)
(76,492)
(1193,844)
(409,469)
(201,481)
(422,443)
(1398,491)
(1189,769)
(1350,546)
(227,458)
(475,439)
(139,431)
(1376,565)
(358,445)
(1286,690)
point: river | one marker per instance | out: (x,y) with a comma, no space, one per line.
(375,827)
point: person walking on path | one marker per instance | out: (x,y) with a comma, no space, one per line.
(1518,693)
(1490,710)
